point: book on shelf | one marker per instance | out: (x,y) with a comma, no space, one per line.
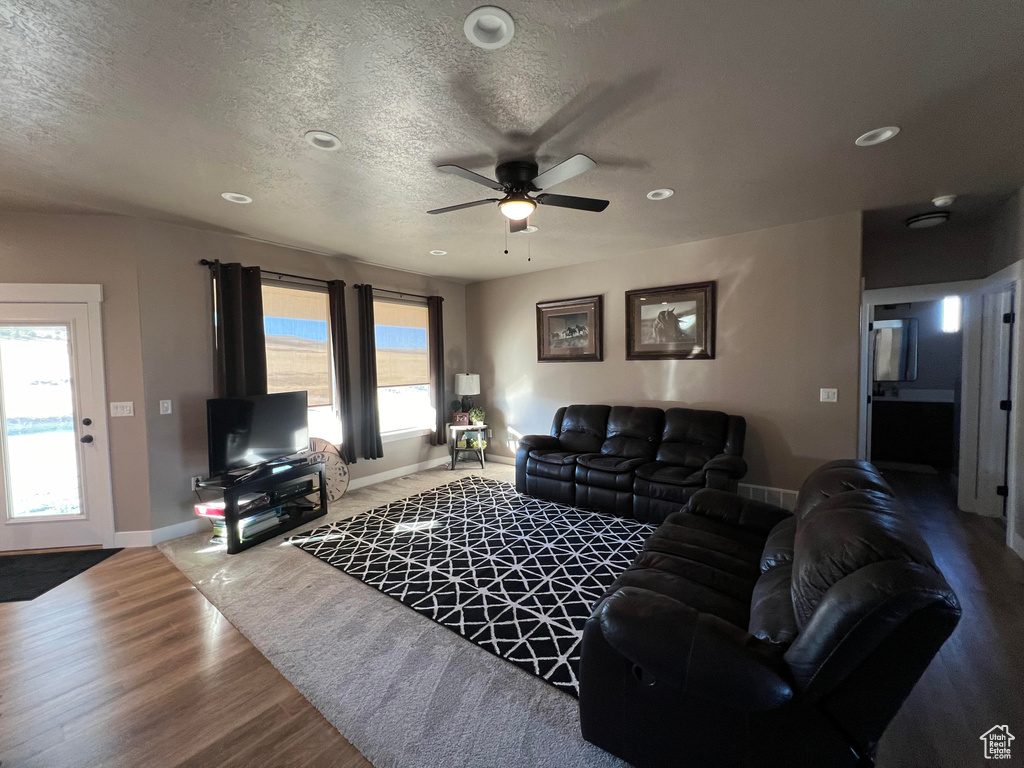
(215,507)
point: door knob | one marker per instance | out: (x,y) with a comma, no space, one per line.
(86,438)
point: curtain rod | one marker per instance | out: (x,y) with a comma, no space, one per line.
(397,293)
(208,263)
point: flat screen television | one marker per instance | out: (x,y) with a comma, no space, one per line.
(247,431)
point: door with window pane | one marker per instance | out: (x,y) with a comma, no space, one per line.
(54,464)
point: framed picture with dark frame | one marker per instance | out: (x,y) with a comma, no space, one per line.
(674,322)
(570,330)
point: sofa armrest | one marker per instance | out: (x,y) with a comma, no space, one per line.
(733,466)
(735,510)
(544,442)
(697,653)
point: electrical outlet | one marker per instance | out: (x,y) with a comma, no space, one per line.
(122,409)
(829,395)
(165,407)
(196,481)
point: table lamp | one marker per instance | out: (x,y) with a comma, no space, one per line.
(467,385)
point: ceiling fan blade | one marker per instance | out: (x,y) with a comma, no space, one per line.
(517,225)
(564,171)
(568,201)
(464,205)
(458,170)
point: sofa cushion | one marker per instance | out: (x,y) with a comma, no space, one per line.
(691,438)
(633,432)
(547,456)
(778,549)
(583,428)
(837,477)
(711,541)
(771,606)
(670,474)
(844,534)
(608,463)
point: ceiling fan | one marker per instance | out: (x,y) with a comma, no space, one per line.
(518,179)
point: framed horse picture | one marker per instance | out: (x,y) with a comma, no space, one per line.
(569,330)
(675,322)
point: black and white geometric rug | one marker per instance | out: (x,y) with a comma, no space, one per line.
(516,575)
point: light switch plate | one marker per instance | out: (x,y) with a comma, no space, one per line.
(165,407)
(829,395)
(122,409)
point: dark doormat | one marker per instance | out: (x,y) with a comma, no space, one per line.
(26,577)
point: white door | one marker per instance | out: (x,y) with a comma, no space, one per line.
(55,478)
(994,390)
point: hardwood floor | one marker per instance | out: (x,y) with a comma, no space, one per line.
(128,664)
(976,679)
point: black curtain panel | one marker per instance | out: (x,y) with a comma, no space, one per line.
(435,323)
(369,419)
(339,341)
(241,345)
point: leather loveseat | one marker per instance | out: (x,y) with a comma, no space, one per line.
(744,635)
(631,461)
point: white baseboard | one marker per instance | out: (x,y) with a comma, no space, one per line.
(391,474)
(150,538)
(502,459)
(780,497)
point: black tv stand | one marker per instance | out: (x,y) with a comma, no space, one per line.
(271,478)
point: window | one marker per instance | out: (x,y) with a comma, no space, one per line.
(951,311)
(296,322)
(403,365)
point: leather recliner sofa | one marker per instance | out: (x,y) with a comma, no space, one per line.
(744,635)
(631,461)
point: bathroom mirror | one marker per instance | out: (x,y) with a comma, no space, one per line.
(895,350)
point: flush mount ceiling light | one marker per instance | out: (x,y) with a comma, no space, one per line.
(236,197)
(925,220)
(489,27)
(531,228)
(322,140)
(660,194)
(877,136)
(943,201)
(439,253)
(517,207)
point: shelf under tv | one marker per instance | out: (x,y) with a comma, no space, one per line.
(269,480)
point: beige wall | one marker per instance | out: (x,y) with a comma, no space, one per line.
(788,309)
(158,340)
(174,293)
(950,253)
(42,248)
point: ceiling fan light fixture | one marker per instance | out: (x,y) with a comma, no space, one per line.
(489,27)
(517,208)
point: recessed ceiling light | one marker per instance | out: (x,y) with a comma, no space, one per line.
(531,228)
(877,136)
(943,201)
(925,220)
(489,27)
(322,140)
(439,253)
(660,194)
(236,197)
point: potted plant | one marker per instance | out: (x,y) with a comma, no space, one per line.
(477,415)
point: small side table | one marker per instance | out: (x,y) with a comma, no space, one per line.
(457,432)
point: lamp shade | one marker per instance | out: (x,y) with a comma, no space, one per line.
(467,384)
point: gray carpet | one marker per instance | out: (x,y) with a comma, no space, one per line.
(404,690)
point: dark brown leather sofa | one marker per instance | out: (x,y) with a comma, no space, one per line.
(631,461)
(744,635)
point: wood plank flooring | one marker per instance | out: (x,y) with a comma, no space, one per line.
(128,664)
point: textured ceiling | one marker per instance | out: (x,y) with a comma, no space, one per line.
(747,109)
